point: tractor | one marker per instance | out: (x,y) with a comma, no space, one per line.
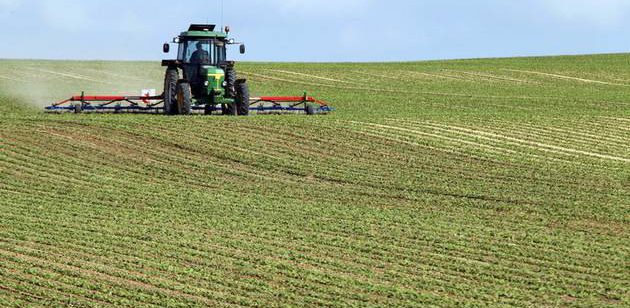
(199,80)
(207,78)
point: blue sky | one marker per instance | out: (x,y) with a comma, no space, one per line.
(324,30)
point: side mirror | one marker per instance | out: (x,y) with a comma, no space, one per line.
(242,48)
(166,48)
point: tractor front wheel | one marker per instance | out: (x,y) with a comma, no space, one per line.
(207,110)
(241,101)
(227,109)
(184,98)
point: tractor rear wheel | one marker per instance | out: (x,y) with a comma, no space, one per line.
(184,98)
(170,91)
(241,101)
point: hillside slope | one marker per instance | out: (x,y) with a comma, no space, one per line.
(500,181)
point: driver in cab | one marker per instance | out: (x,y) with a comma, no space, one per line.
(200,55)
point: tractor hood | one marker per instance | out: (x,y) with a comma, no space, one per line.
(215,78)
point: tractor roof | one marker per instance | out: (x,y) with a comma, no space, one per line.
(205,31)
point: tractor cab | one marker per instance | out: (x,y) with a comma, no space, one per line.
(201,57)
(202,40)
(201,51)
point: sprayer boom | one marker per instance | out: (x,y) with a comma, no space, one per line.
(154,104)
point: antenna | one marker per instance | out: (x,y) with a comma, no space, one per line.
(222,6)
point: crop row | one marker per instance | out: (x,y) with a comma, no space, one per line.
(437,256)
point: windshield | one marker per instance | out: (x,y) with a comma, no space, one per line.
(203,51)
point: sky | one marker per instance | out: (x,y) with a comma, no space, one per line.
(317,30)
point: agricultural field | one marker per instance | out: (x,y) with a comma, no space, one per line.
(502,182)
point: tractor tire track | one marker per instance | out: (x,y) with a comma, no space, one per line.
(532,144)
(494,77)
(494,142)
(115,75)
(392,90)
(438,171)
(434,76)
(610,129)
(586,134)
(12,79)
(574,138)
(516,152)
(626,120)
(566,77)
(463,153)
(385,133)
(386,167)
(377,76)
(313,76)
(67,75)
(493,149)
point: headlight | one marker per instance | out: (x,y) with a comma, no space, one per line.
(206,83)
(225,83)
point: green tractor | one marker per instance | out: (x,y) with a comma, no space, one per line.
(207,79)
(199,80)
